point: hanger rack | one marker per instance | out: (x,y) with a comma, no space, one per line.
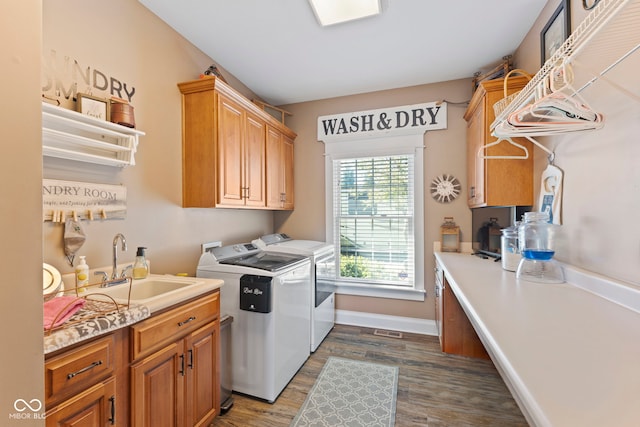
(550,154)
(608,36)
(510,157)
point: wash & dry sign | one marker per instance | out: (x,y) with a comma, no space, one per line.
(404,120)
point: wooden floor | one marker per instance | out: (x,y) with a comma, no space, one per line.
(434,389)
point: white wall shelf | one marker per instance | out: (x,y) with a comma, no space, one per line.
(608,36)
(67,134)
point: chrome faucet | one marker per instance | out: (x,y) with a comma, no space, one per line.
(114,274)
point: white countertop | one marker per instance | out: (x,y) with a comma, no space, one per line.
(569,356)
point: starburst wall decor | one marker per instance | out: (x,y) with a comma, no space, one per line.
(445,188)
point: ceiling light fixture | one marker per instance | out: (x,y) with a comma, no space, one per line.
(330,12)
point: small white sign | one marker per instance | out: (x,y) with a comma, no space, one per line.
(86,200)
(404,120)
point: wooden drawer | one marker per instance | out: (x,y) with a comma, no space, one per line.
(75,370)
(92,407)
(157,331)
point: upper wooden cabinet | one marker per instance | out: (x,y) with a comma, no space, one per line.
(227,144)
(279,170)
(241,150)
(495,182)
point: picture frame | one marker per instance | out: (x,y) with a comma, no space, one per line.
(93,106)
(555,32)
(589,4)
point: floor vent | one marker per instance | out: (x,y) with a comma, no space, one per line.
(390,334)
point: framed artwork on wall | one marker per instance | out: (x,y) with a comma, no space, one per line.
(93,106)
(589,4)
(555,32)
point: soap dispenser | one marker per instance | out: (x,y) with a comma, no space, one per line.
(140,266)
(82,275)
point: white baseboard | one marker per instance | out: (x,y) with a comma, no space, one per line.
(383,321)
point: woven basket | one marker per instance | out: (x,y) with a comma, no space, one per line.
(500,106)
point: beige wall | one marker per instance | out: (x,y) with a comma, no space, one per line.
(601,178)
(20,172)
(600,187)
(122,39)
(444,153)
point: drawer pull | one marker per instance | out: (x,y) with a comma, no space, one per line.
(85,369)
(184,322)
(112,419)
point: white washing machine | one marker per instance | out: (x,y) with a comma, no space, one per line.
(323,275)
(268,296)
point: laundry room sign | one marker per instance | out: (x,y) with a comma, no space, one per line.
(82,200)
(404,120)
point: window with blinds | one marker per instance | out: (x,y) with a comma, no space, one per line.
(374,219)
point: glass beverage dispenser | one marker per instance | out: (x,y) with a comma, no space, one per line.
(536,241)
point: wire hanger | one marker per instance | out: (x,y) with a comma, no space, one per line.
(510,157)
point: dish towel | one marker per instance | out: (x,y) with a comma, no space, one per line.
(58,310)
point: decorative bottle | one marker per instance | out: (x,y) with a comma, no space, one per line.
(536,238)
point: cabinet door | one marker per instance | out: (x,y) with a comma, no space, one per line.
(231,125)
(93,407)
(495,182)
(157,384)
(254,153)
(287,169)
(274,168)
(199,150)
(459,335)
(202,393)
(476,165)
(438,303)
(279,170)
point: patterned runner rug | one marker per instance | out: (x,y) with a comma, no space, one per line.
(350,393)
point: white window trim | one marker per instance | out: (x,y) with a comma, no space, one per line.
(408,144)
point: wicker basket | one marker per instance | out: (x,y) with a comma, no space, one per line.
(500,106)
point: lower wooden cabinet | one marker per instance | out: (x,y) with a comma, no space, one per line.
(177,384)
(80,385)
(458,335)
(95,406)
(162,371)
(455,331)
(202,382)
(156,388)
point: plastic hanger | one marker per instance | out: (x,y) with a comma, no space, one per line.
(557,108)
(498,141)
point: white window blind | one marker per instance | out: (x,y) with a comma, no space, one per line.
(374,219)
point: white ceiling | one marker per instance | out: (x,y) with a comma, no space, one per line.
(277,48)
